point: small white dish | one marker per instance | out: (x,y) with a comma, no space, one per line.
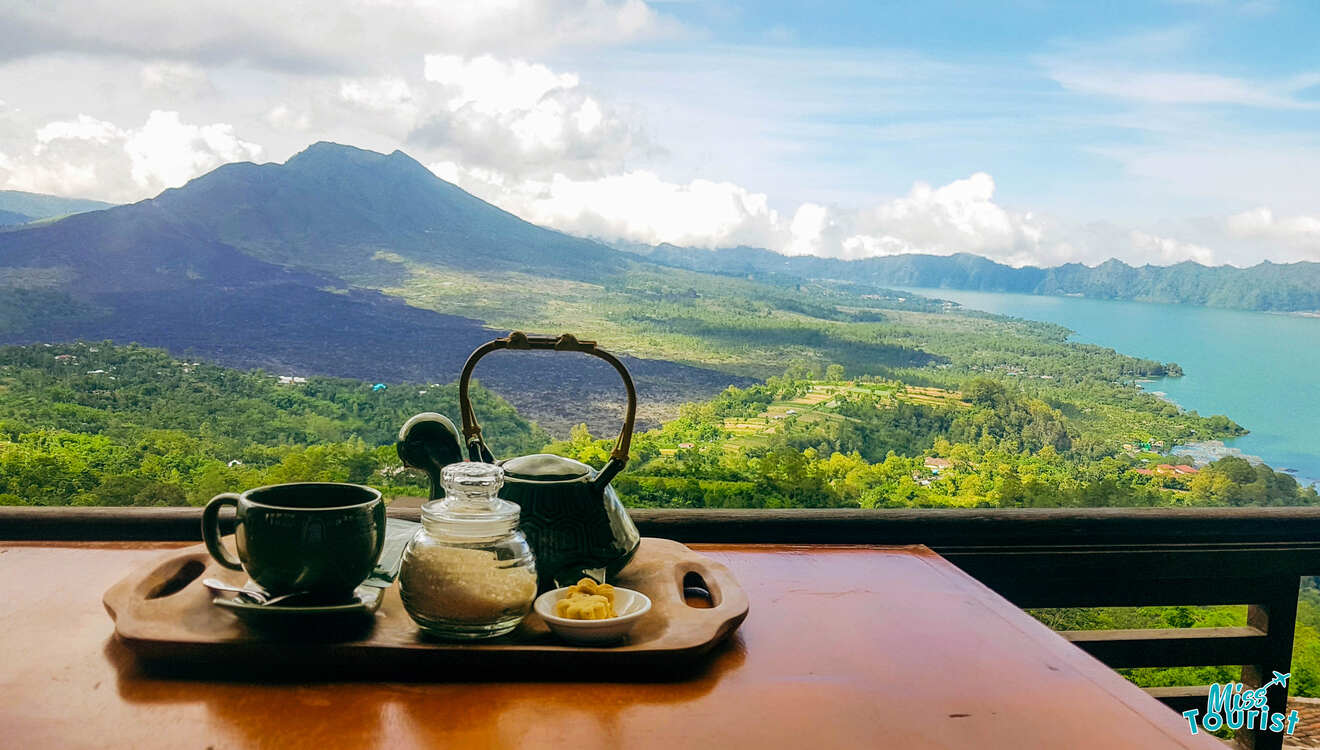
(629,605)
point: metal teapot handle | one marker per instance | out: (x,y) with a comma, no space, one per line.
(477,450)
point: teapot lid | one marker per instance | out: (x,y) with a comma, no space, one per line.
(546,467)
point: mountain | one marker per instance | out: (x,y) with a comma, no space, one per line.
(346,204)
(248,265)
(1266,286)
(18,207)
(328,209)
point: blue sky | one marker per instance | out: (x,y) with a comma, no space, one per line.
(1047,97)
(1030,132)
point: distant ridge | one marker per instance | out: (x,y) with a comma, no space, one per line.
(1280,287)
(10,217)
(18,207)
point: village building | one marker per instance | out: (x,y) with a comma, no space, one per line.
(936,465)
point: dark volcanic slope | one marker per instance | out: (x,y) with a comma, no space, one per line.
(292,329)
(283,327)
(125,249)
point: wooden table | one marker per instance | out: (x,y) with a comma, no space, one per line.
(845,647)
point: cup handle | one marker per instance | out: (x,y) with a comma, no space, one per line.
(211,529)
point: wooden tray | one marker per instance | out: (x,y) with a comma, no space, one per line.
(165,616)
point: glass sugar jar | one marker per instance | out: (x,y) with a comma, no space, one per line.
(468,572)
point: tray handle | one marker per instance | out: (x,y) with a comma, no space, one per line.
(725,595)
(517,340)
(153,589)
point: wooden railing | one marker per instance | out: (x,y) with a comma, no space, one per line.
(1034,558)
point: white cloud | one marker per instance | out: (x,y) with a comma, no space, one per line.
(807,230)
(63,159)
(90,157)
(1163,251)
(284,117)
(326,37)
(76,179)
(1151,67)
(640,207)
(84,128)
(1299,234)
(1220,173)
(384,94)
(1261,222)
(491,86)
(1165,87)
(388,95)
(961,216)
(166,152)
(174,79)
(523,119)
(446,170)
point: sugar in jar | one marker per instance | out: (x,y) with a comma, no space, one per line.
(468,572)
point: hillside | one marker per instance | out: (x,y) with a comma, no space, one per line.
(1266,286)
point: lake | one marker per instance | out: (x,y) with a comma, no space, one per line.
(1260,369)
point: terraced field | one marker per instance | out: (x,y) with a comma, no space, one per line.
(815,406)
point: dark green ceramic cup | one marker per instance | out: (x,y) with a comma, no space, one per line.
(321,537)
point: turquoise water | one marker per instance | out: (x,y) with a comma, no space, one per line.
(1260,369)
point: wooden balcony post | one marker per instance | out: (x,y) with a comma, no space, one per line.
(1277,616)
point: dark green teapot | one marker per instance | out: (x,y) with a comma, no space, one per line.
(571,515)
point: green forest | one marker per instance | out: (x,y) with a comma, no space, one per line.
(98,424)
(883,444)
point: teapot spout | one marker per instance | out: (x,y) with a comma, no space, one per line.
(429,442)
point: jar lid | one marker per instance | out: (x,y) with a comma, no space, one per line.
(470,506)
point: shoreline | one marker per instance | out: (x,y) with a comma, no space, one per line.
(1204,452)
(1219,350)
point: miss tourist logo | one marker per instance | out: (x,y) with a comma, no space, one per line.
(1230,705)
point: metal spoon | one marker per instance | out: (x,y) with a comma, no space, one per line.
(257,597)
